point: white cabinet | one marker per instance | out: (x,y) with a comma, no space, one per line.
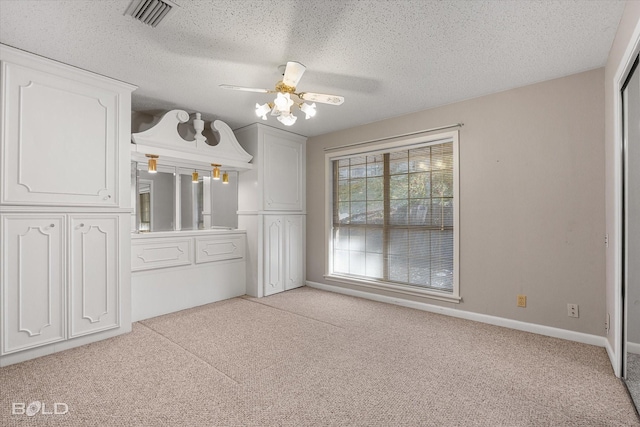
(64,206)
(284,251)
(277,181)
(271,207)
(61,132)
(199,267)
(94,273)
(43,296)
(283,172)
(32,281)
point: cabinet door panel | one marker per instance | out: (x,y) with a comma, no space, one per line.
(283,174)
(94,274)
(273,255)
(60,140)
(294,250)
(32,281)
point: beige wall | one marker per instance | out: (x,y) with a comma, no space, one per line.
(617,58)
(531,199)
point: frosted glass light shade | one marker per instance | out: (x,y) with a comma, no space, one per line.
(287,119)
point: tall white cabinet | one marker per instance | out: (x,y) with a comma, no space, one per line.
(64,206)
(272,208)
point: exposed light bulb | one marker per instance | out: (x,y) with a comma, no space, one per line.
(309,110)
(287,119)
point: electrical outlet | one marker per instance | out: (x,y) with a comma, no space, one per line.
(572,310)
(607,323)
(522,300)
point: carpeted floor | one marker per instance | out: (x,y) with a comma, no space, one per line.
(313,358)
(633,377)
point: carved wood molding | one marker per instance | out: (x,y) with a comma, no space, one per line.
(164,140)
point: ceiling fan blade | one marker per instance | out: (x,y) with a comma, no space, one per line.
(322,98)
(246,89)
(293,73)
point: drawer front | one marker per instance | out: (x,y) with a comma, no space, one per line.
(149,255)
(219,248)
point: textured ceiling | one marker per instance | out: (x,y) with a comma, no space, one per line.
(387,58)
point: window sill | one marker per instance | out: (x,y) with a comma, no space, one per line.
(393,287)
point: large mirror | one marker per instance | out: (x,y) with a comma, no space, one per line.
(631,241)
(172,199)
(156,201)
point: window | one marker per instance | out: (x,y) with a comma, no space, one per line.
(393,219)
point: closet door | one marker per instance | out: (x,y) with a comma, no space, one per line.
(93,282)
(294,233)
(60,139)
(32,280)
(273,254)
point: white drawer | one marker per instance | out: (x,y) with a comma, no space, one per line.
(151,254)
(219,248)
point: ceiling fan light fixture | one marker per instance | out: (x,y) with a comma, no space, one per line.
(308,109)
(283,102)
(287,97)
(262,110)
(287,118)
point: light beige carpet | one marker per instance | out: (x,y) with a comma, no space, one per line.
(313,358)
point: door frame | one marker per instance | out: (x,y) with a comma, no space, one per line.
(624,68)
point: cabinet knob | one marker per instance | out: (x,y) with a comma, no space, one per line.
(108,197)
(81,224)
(52,225)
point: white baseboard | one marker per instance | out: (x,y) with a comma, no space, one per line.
(615,362)
(633,347)
(477,317)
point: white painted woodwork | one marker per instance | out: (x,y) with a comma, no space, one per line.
(61,135)
(271,207)
(284,252)
(216,272)
(283,179)
(277,182)
(160,253)
(273,254)
(32,281)
(93,280)
(64,203)
(164,140)
(294,247)
(219,248)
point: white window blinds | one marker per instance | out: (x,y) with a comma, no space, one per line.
(393,216)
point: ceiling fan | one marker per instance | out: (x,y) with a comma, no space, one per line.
(285,89)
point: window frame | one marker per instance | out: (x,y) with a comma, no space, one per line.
(386,146)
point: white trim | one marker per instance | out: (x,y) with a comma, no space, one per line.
(632,50)
(397,288)
(468,315)
(397,144)
(633,347)
(610,352)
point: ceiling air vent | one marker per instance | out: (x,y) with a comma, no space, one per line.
(150,12)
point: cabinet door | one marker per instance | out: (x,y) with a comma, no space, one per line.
(60,140)
(32,281)
(273,254)
(294,233)
(94,271)
(283,174)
